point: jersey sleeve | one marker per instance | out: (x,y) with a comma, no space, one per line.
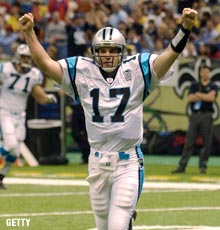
(69,73)
(38,76)
(154,79)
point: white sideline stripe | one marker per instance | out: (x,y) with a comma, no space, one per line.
(90,212)
(39,194)
(182,185)
(44,194)
(74,193)
(179,209)
(175,227)
(46,214)
(43,181)
(147,185)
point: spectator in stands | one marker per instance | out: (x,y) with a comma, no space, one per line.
(40,11)
(213,52)
(5,6)
(13,16)
(208,33)
(134,39)
(202,95)
(7,37)
(84,6)
(150,29)
(71,10)
(55,34)
(139,19)
(159,46)
(76,29)
(202,49)
(158,14)
(161,31)
(58,5)
(3,56)
(216,21)
(25,6)
(118,14)
(97,17)
(123,27)
(190,51)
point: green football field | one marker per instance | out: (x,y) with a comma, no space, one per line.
(56,197)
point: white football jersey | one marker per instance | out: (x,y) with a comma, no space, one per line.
(113,109)
(16,87)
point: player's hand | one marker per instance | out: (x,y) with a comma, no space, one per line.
(26,23)
(189,17)
(51,99)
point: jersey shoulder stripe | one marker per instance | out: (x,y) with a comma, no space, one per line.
(145,68)
(71,64)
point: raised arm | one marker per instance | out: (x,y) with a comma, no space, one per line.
(164,61)
(40,57)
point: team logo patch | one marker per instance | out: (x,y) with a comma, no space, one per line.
(127,75)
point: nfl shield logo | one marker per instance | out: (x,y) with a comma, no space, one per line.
(127,75)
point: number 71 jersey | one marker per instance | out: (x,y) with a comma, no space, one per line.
(113,110)
(16,87)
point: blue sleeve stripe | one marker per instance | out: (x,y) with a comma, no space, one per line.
(71,63)
(145,67)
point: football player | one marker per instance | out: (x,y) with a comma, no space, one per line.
(18,78)
(112,87)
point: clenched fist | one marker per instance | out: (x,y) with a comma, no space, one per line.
(189,17)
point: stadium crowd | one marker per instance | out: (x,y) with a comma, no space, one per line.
(67,26)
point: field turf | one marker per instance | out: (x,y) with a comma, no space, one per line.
(56,197)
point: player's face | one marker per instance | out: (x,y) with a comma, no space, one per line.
(204,76)
(25,59)
(108,56)
(25,64)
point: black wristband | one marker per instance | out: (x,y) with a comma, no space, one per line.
(178,43)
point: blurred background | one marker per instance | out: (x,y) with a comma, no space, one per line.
(66,27)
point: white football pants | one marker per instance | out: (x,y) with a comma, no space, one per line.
(114,193)
(13,130)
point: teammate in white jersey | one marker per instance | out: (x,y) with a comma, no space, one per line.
(111,87)
(19,79)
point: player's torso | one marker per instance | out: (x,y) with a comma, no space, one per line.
(16,87)
(113,109)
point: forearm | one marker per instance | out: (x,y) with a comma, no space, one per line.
(164,61)
(42,97)
(193,98)
(209,97)
(38,54)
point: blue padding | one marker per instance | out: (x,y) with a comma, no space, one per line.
(123,156)
(3,152)
(10,158)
